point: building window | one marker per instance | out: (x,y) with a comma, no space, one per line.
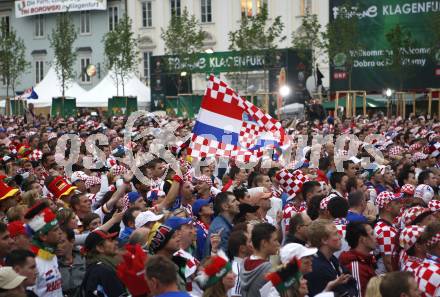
(146,14)
(39,26)
(5,21)
(112,17)
(305,7)
(250,8)
(84,63)
(206,11)
(146,57)
(85,22)
(39,71)
(175,7)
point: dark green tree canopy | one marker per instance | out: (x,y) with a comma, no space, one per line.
(61,40)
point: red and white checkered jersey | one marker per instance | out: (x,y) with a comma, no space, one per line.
(428,278)
(387,243)
(411,264)
(290,210)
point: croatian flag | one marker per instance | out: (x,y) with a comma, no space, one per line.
(29,94)
(229,126)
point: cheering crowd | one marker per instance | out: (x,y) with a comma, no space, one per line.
(217,231)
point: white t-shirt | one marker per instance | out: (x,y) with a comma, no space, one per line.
(48,282)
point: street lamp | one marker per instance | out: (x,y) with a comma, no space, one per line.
(388,92)
(284,91)
(183,73)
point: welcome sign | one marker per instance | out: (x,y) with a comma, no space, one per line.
(25,8)
(371,71)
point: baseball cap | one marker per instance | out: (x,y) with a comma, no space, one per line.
(145,217)
(295,250)
(9,279)
(176,222)
(2,130)
(97,237)
(16,228)
(424,192)
(133,196)
(197,206)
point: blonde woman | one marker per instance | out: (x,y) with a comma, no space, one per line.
(373,287)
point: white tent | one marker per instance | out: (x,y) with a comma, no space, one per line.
(50,87)
(99,95)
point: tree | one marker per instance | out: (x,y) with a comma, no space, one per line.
(400,41)
(308,40)
(61,40)
(341,39)
(12,57)
(120,51)
(257,35)
(183,39)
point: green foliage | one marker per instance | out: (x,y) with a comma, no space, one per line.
(120,52)
(12,56)
(308,40)
(400,42)
(61,40)
(256,34)
(342,37)
(183,38)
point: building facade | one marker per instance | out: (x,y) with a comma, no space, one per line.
(91,26)
(218,18)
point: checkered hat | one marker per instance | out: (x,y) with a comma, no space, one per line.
(384,198)
(418,156)
(408,189)
(409,236)
(415,147)
(434,205)
(324,203)
(411,214)
(92,181)
(424,192)
(118,170)
(36,155)
(205,179)
(291,182)
(396,151)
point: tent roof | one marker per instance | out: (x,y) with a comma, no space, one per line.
(291,108)
(50,87)
(99,95)
(371,103)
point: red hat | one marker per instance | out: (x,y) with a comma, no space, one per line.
(384,198)
(60,187)
(408,189)
(16,228)
(411,214)
(409,236)
(291,182)
(6,191)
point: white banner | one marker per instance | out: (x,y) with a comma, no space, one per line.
(25,8)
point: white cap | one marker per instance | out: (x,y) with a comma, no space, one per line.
(145,217)
(295,250)
(425,192)
(326,294)
(78,175)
